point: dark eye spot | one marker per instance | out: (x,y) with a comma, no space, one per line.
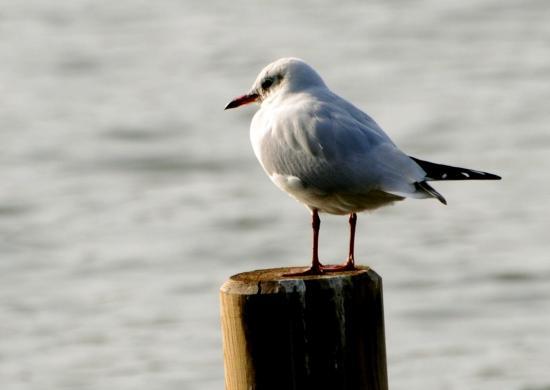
(268,82)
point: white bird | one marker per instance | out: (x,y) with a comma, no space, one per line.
(330,155)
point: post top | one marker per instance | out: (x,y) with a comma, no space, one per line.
(271,280)
(275,274)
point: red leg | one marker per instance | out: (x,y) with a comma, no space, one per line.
(316,266)
(349,265)
(351,257)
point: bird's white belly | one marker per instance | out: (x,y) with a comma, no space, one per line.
(333,202)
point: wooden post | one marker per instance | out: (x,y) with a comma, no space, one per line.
(309,332)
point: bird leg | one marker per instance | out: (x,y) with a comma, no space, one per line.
(349,265)
(316,267)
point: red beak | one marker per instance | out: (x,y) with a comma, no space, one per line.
(242,100)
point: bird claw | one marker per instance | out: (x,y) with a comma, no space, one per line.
(348,266)
(324,269)
(311,271)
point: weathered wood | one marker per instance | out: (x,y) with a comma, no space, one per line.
(308,332)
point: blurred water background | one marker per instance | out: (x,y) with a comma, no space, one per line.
(127,194)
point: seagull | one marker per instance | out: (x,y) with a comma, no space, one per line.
(330,155)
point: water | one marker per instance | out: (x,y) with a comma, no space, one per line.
(128,195)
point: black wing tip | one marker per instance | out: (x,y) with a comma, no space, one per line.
(425,187)
(480,175)
(436,172)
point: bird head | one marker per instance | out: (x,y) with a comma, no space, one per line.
(286,75)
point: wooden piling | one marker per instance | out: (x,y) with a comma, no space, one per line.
(308,332)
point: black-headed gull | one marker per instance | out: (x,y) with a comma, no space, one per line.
(330,155)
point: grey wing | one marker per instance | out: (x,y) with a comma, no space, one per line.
(336,149)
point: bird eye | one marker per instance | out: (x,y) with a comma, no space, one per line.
(267,83)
